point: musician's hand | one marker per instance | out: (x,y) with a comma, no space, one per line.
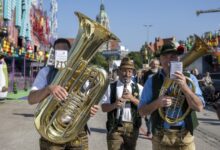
(180,79)
(94,109)
(127,96)
(119,102)
(165,101)
(58,92)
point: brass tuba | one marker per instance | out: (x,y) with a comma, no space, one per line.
(60,122)
(173,114)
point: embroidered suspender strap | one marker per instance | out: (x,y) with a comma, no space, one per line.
(135,115)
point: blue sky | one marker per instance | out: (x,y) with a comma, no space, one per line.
(127,18)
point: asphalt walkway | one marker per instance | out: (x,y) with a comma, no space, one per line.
(17,131)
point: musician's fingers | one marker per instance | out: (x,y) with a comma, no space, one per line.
(64,91)
(61,95)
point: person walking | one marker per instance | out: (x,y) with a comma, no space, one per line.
(120,102)
(171,136)
(3,78)
(208,88)
(43,88)
(154,68)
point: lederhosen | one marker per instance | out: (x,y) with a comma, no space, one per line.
(81,141)
(116,127)
(191,121)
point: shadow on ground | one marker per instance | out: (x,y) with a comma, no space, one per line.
(23,114)
(98,130)
(209,121)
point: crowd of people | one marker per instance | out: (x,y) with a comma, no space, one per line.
(206,84)
(129,98)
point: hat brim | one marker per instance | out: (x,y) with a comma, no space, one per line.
(126,67)
(170,51)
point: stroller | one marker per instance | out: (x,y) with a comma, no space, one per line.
(208,90)
(216,106)
(209,93)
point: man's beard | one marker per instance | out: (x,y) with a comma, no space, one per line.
(154,70)
(126,80)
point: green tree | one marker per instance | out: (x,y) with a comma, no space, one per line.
(100,60)
(136,57)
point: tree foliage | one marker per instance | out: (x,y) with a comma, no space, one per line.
(136,57)
(100,60)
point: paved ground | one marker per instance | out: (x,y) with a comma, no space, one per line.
(17,131)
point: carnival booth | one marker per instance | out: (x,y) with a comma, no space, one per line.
(24,40)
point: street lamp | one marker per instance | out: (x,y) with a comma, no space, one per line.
(148,26)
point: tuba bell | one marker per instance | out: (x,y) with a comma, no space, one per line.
(60,122)
(173,114)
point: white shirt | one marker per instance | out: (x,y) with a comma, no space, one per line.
(126,116)
(41,79)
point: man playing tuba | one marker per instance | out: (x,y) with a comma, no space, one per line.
(166,135)
(42,88)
